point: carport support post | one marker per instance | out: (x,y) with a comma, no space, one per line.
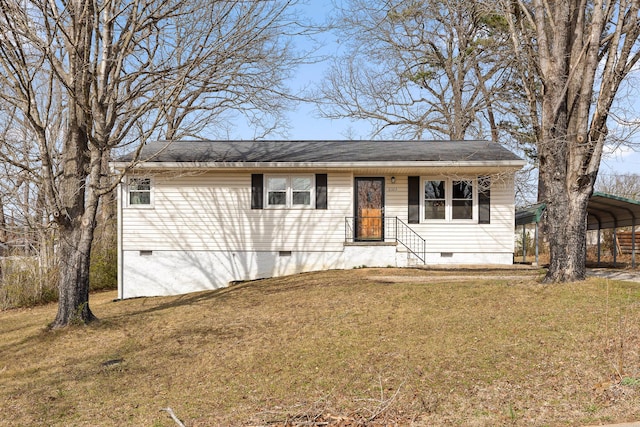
(537,244)
(615,246)
(599,245)
(633,243)
(524,243)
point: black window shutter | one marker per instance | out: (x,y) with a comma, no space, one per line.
(484,200)
(414,199)
(321,191)
(257,180)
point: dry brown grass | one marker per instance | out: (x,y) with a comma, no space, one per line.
(360,347)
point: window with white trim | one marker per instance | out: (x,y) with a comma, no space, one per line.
(301,190)
(462,199)
(434,199)
(289,191)
(446,199)
(139,192)
(277,191)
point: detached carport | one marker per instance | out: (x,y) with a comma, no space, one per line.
(604,211)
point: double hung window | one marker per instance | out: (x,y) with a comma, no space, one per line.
(277,191)
(434,199)
(462,200)
(139,192)
(446,199)
(289,191)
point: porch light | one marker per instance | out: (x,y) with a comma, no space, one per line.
(393,179)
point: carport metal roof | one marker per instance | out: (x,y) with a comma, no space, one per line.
(609,211)
(604,211)
(530,215)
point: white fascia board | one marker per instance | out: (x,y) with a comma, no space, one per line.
(322,165)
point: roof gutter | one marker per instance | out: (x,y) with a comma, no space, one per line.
(323,165)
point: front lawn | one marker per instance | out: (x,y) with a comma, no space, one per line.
(368,346)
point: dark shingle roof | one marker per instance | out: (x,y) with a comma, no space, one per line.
(321,151)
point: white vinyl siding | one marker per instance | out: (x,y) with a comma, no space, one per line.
(211,211)
(202,233)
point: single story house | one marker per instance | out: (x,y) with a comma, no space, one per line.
(196,215)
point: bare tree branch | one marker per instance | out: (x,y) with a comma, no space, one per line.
(420,68)
(83,78)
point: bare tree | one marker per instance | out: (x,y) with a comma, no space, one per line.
(575,56)
(627,185)
(417,68)
(87,76)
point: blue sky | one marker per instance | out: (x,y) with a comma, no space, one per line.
(622,161)
(304,121)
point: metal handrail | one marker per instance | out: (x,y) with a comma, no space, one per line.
(393,229)
(411,240)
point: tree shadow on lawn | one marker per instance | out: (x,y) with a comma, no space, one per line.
(250,291)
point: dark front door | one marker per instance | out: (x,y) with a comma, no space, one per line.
(369,204)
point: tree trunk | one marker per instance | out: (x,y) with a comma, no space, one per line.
(566,193)
(567,226)
(76,224)
(566,198)
(3,225)
(107,215)
(76,231)
(74,256)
